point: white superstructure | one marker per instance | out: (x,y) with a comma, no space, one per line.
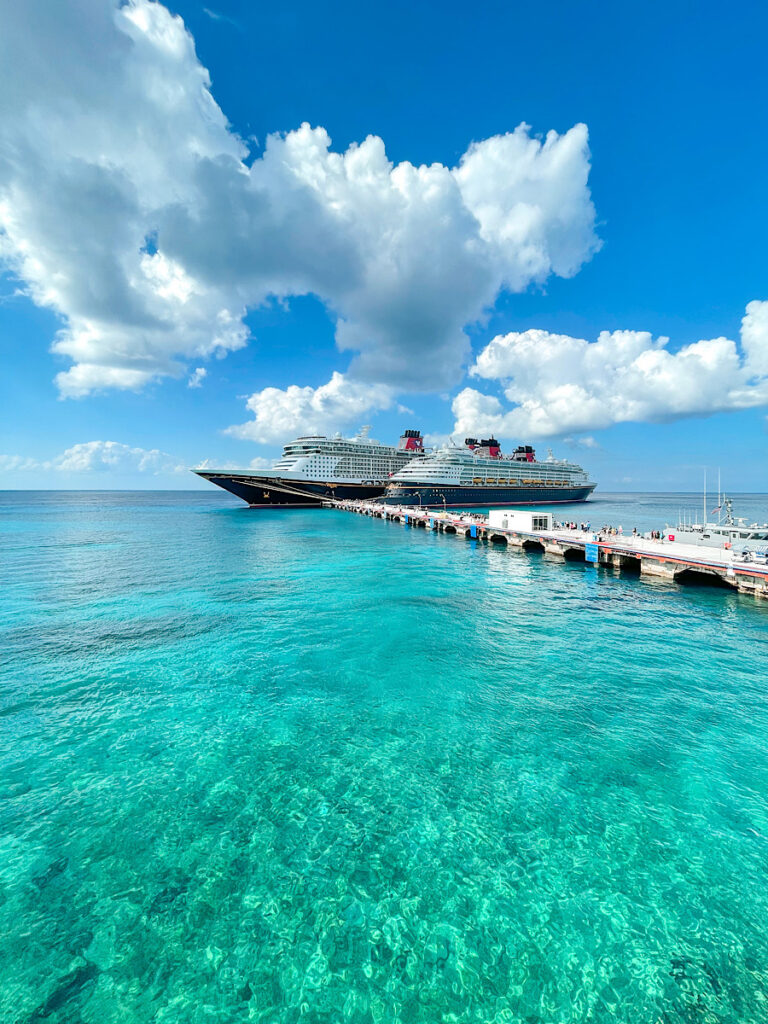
(359,459)
(314,468)
(483,465)
(729,532)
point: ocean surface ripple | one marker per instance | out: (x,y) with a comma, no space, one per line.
(312,767)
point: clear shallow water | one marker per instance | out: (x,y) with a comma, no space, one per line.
(308,766)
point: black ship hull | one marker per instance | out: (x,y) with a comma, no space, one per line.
(280,492)
(449,496)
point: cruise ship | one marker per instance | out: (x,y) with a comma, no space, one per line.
(315,468)
(477,474)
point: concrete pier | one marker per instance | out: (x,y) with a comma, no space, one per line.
(658,559)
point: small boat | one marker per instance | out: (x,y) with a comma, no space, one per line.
(728,532)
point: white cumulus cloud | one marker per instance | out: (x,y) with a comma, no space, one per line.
(98,456)
(281,414)
(754,337)
(197,377)
(130,207)
(94,456)
(557,384)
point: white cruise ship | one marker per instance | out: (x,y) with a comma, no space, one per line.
(314,468)
(477,474)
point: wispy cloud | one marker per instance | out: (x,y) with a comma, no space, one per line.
(581,442)
(218,16)
(197,377)
(260,462)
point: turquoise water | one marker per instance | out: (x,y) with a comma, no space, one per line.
(313,767)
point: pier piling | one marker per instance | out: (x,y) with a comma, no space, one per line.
(657,559)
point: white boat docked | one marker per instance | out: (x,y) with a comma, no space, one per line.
(729,532)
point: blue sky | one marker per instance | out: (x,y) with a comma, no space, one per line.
(672,96)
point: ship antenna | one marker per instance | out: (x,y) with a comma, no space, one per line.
(719,502)
(704,521)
